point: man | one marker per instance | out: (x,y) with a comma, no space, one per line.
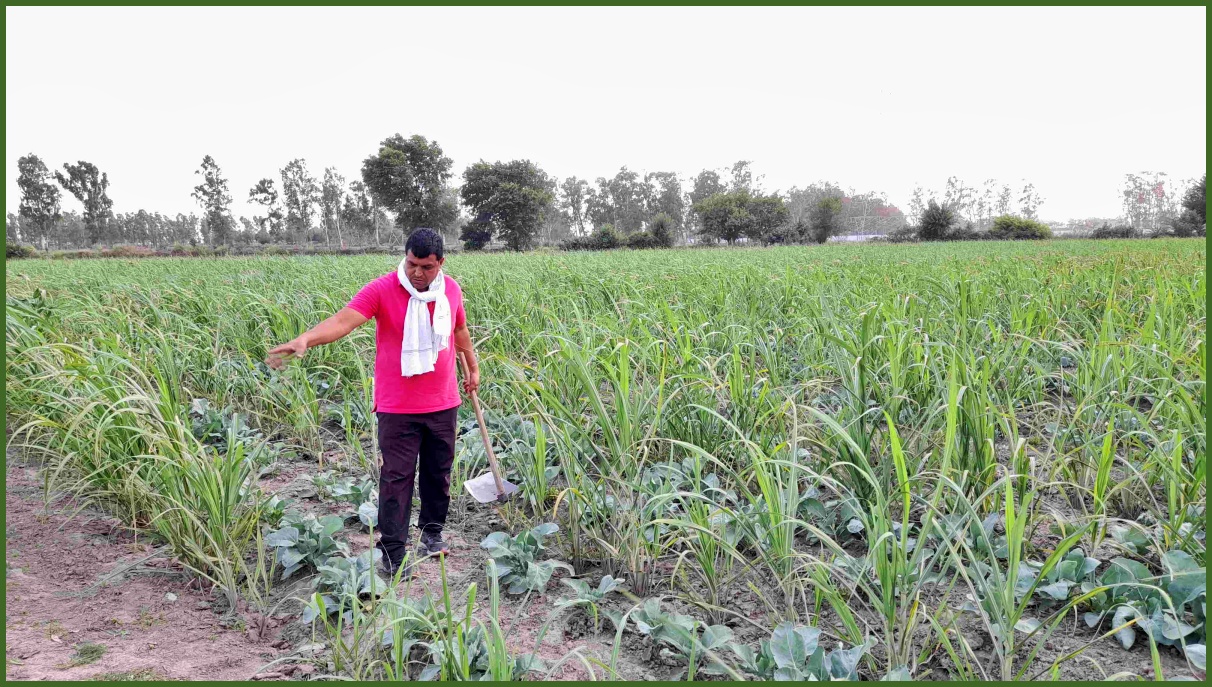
(417,311)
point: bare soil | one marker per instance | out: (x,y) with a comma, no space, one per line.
(76,578)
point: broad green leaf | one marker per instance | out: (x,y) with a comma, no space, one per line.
(494,540)
(788,674)
(1027,625)
(331,524)
(287,536)
(1179,561)
(1058,591)
(1124,570)
(900,674)
(716,636)
(1126,636)
(1198,655)
(545,529)
(789,647)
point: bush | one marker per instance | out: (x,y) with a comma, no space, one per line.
(662,231)
(967,232)
(905,234)
(1185,226)
(936,223)
(1009,227)
(131,252)
(606,238)
(825,220)
(1119,231)
(475,235)
(602,238)
(17,251)
(641,240)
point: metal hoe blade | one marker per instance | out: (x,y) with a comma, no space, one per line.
(484,488)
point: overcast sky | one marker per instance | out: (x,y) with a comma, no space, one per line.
(874,98)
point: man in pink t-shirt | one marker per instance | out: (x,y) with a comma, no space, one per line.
(417,413)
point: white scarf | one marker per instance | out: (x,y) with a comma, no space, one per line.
(424,339)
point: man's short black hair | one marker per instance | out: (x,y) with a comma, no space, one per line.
(424,242)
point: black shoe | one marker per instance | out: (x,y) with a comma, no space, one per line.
(432,544)
(392,570)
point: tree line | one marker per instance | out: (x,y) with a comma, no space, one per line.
(409,182)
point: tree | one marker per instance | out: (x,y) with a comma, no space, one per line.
(916,204)
(572,200)
(705,185)
(618,201)
(557,221)
(408,176)
(869,213)
(1148,204)
(985,203)
(729,216)
(509,197)
(724,216)
(1029,201)
(742,178)
(265,195)
(39,199)
(936,222)
(213,196)
(300,195)
(665,197)
(12,231)
(358,212)
(1004,199)
(825,219)
(959,197)
(1194,218)
(90,187)
(766,215)
(1195,200)
(662,230)
(248,230)
(803,202)
(330,203)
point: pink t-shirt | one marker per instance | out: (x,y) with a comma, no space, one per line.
(386,301)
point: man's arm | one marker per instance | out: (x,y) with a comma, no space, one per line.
(462,339)
(345,321)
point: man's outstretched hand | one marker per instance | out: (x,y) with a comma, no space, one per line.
(278,354)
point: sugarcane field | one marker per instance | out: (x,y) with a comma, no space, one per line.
(605,343)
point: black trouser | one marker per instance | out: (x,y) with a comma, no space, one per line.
(404,438)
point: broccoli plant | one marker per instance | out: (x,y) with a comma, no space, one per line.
(794,653)
(589,597)
(345,489)
(342,585)
(218,428)
(368,514)
(679,637)
(839,518)
(306,540)
(517,559)
(1127,591)
(1074,569)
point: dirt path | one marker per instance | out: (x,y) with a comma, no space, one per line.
(66,589)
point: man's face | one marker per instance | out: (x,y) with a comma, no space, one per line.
(422,271)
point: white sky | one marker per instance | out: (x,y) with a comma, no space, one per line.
(874,98)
